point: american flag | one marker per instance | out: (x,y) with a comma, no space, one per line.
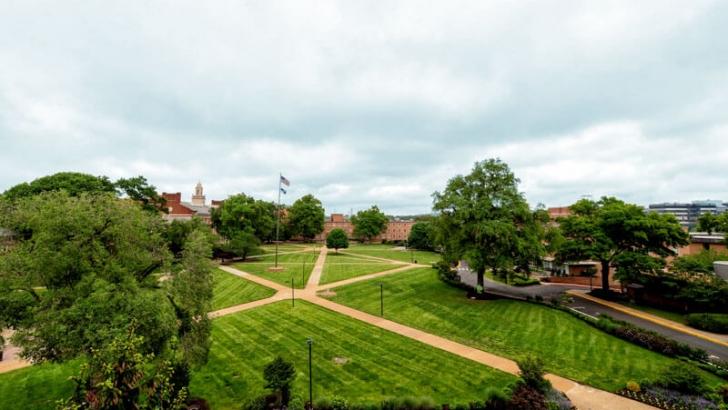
(285,181)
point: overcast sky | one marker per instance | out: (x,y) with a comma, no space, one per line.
(369,102)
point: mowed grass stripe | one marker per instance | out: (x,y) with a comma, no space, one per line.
(424,257)
(340,266)
(380,364)
(231,290)
(296,265)
(569,347)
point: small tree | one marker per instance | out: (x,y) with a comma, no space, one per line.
(369,223)
(421,236)
(337,239)
(279,375)
(242,244)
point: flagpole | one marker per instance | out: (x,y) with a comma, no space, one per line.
(278,215)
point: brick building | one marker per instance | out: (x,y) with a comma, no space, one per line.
(396,230)
(197,207)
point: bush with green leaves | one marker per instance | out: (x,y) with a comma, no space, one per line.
(532,371)
(279,375)
(711,322)
(683,378)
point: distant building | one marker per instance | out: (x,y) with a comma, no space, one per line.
(558,212)
(179,210)
(687,213)
(703,241)
(396,230)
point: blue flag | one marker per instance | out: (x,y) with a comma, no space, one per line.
(283,190)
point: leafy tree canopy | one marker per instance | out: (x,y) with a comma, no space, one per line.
(74,183)
(369,223)
(710,223)
(82,270)
(242,213)
(421,236)
(306,217)
(139,190)
(619,234)
(336,239)
(486,221)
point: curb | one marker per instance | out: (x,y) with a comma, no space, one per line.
(651,318)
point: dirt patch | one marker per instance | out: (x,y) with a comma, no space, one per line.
(328,293)
(341,360)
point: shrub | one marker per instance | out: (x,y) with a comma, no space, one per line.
(648,339)
(682,378)
(532,371)
(525,397)
(279,375)
(409,403)
(633,386)
(711,322)
(495,399)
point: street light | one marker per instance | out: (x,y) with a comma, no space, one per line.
(309,342)
(293,300)
(381,299)
(303,273)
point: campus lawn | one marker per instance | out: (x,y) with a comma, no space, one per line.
(283,247)
(378,364)
(231,290)
(339,266)
(38,386)
(297,266)
(569,347)
(392,252)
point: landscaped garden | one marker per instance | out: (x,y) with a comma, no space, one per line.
(512,329)
(295,265)
(230,290)
(340,266)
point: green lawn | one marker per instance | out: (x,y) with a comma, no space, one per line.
(339,266)
(378,364)
(37,387)
(297,266)
(231,290)
(283,247)
(513,329)
(389,252)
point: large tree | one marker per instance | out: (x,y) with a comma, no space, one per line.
(306,217)
(242,213)
(80,274)
(619,234)
(369,223)
(486,221)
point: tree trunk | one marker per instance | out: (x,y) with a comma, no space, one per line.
(481,280)
(605,276)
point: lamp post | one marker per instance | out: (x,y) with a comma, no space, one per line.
(381,299)
(309,342)
(303,273)
(293,299)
